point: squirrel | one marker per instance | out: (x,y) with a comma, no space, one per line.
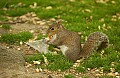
(69,42)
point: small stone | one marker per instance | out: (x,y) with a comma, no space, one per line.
(55,52)
(45,70)
(20,4)
(80,33)
(34,15)
(45,60)
(77,74)
(113,2)
(5,9)
(52,19)
(104,25)
(78,61)
(42,23)
(32,31)
(18,49)
(113,19)
(118,14)
(74,65)
(8,47)
(111,74)
(86,38)
(87,10)
(108,27)
(72,0)
(49,76)
(102,20)
(112,69)
(102,52)
(98,74)
(37,70)
(91,17)
(56,49)
(114,16)
(99,27)
(34,22)
(36,18)
(113,64)
(21,42)
(29,65)
(34,5)
(27,70)
(15,18)
(97,70)
(119,18)
(38,22)
(59,70)
(40,69)
(116,73)
(88,69)
(49,7)
(36,62)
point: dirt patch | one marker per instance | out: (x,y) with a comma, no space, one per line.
(12,65)
(3,31)
(12,62)
(35,29)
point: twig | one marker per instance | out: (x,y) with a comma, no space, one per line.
(9,22)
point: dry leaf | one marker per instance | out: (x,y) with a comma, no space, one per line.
(45,60)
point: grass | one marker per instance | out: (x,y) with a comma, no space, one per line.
(56,62)
(102,61)
(107,77)
(15,38)
(77,19)
(41,36)
(6,26)
(69,76)
(81,69)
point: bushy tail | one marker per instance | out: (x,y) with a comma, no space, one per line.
(96,41)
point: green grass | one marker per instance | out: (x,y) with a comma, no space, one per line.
(107,77)
(69,76)
(81,69)
(104,61)
(76,20)
(41,36)
(15,38)
(6,26)
(56,62)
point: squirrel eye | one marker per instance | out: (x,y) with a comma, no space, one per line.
(52,28)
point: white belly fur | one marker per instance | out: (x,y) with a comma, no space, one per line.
(63,48)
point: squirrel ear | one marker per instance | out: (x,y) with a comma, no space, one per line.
(59,24)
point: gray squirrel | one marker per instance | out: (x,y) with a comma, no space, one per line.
(69,42)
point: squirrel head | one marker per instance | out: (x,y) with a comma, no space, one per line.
(54,29)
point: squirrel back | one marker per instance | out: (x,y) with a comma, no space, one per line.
(69,42)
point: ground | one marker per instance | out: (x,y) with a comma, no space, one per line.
(16,54)
(17,66)
(12,58)
(12,65)
(35,16)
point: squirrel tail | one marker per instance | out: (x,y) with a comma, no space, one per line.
(95,42)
